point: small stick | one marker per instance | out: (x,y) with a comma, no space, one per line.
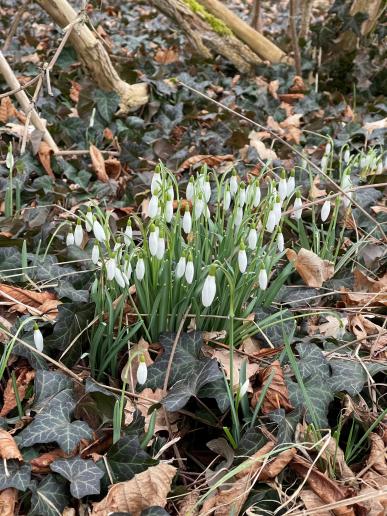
(14,24)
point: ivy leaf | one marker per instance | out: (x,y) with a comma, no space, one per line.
(154,511)
(19,475)
(126,458)
(83,475)
(54,425)
(286,424)
(312,361)
(106,103)
(218,391)
(347,375)
(182,390)
(319,394)
(65,289)
(49,497)
(47,385)
(250,442)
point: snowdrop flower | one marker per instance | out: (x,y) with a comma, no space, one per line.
(156,183)
(238,217)
(324,163)
(283,186)
(257,195)
(189,270)
(325,210)
(89,220)
(379,168)
(189,193)
(187,220)
(328,148)
(140,269)
(95,254)
(280,242)
(347,199)
(111,267)
(127,269)
(38,338)
(346,182)
(142,371)
(242,194)
(180,267)
(70,239)
(277,210)
(119,277)
(78,234)
(233,184)
(297,207)
(242,258)
(209,287)
(171,193)
(128,234)
(243,388)
(98,231)
(153,240)
(347,156)
(207,190)
(198,206)
(252,238)
(291,184)
(227,198)
(262,277)
(153,207)
(168,210)
(271,221)
(160,246)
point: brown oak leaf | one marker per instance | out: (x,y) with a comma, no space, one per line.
(277,395)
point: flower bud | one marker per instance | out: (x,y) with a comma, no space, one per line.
(280,242)
(128,235)
(297,207)
(252,238)
(142,371)
(189,194)
(227,198)
(38,338)
(98,231)
(153,240)
(238,216)
(156,183)
(325,210)
(118,276)
(242,258)
(89,220)
(78,234)
(111,268)
(153,206)
(70,238)
(271,221)
(187,220)
(262,277)
(209,288)
(189,271)
(283,186)
(180,267)
(140,269)
(233,184)
(291,185)
(95,254)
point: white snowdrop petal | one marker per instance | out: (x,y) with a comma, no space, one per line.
(156,183)
(118,276)
(198,208)
(227,200)
(252,239)
(207,191)
(140,269)
(233,185)
(111,268)
(209,291)
(291,186)
(238,217)
(262,279)
(243,388)
(153,207)
(277,212)
(89,221)
(190,191)
(283,189)
(280,242)
(242,260)
(153,242)
(95,254)
(189,272)
(271,221)
(70,239)
(160,248)
(169,211)
(297,213)
(187,222)
(38,340)
(98,231)
(142,373)
(257,196)
(180,267)
(325,210)
(78,235)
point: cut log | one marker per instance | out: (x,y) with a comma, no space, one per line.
(94,57)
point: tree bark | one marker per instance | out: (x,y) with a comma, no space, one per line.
(94,57)
(212,30)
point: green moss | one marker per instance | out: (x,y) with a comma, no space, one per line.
(216,24)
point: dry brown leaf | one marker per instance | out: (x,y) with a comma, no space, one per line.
(277,395)
(372,484)
(75,91)
(223,357)
(8,499)
(154,397)
(367,291)
(334,456)
(312,501)
(129,372)
(98,164)
(166,56)
(23,379)
(7,110)
(44,154)
(42,463)
(328,490)
(146,489)
(334,327)
(373,126)
(263,152)
(315,192)
(69,511)
(113,168)
(8,446)
(290,98)
(312,269)
(291,126)
(108,133)
(273,88)
(378,454)
(278,464)
(298,85)
(187,506)
(23,301)
(211,161)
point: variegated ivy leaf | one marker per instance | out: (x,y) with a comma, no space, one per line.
(16,475)
(47,385)
(49,497)
(320,396)
(84,475)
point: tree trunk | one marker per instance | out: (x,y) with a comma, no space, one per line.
(94,57)
(212,30)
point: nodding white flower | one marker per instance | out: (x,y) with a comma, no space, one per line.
(98,231)
(242,258)
(153,206)
(252,238)
(262,277)
(257,195)
(324,162)
(271,221)
(187,220)
(128,234)
(346,182)
(227,198)
(127,268)
(325,210)
(328,148)
(111,267)
(38,338)
(117,245)
(140,269)
(238,217)
(156,183)
(283,186)
(189,271)
(95,254)
(89,220)
(189,193)
(171,193)
(160,246)
(168,211)
(209,287)
(379,168)
(242,195)
(142,371)
(198,206)
(78,234)
(347,200)
(243,388)
(277,210)
(153,240)
(180,267)
(280,242)
(233,184)
(70,238)
(207,190)
(119,277)
(291,184)
(297,207)
(347,156)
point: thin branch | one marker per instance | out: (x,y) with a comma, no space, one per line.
(294,35)
(15,23)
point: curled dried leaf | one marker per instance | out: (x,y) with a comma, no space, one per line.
(8,498)
(211,161)
(277,395)
(312,269)
(98,164)
(8,447)
(23,379)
